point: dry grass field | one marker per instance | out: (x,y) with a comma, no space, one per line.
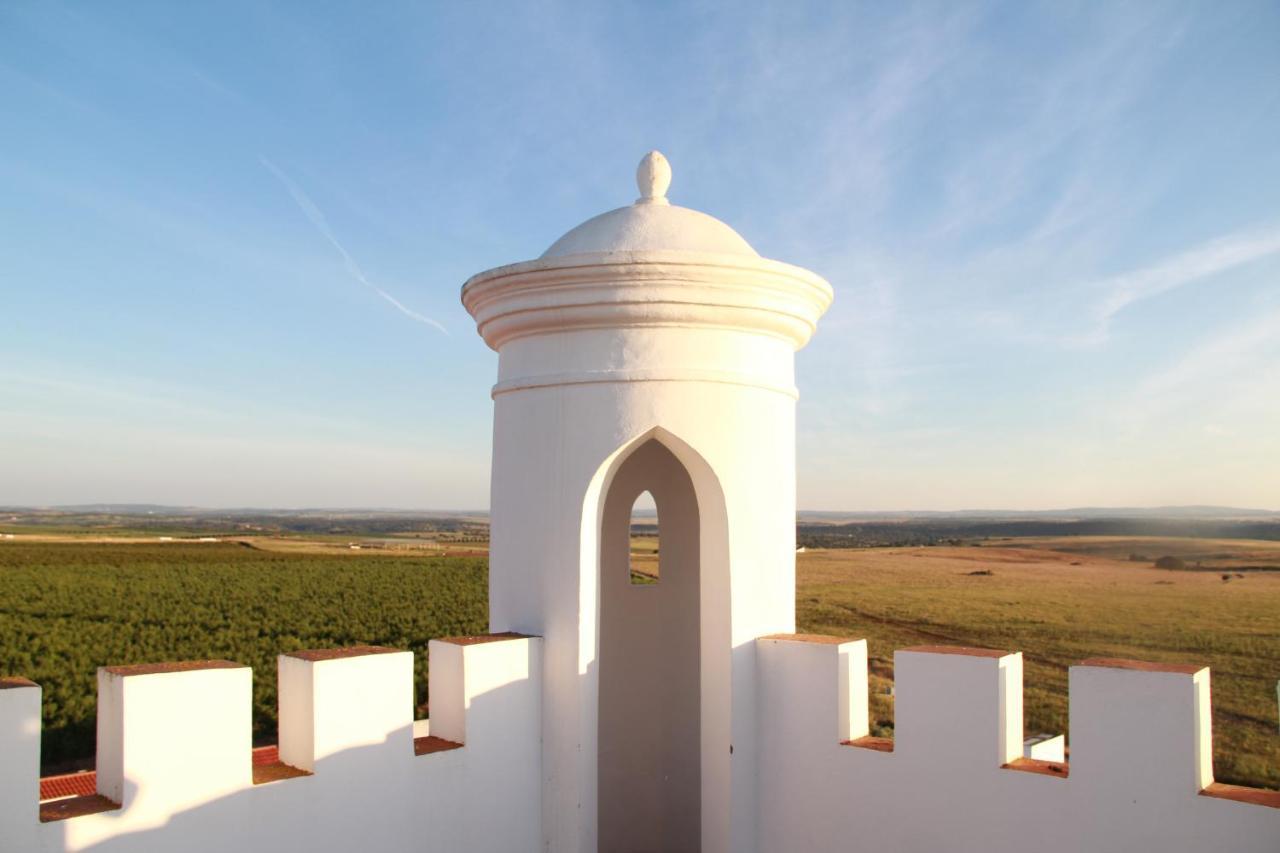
(1237,555)
(1060,606)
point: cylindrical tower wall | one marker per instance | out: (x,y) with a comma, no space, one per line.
(550,444)
(647,322)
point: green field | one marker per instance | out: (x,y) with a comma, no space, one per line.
(68,607)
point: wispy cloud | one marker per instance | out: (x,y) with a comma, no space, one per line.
(1196,264)
(317,218)
(1245,352)
(1049,169)
(1224,386)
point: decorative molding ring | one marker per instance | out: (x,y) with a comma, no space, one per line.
(626,289)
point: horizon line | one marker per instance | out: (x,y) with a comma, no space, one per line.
(130,507)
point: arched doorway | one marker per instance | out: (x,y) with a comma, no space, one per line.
(649,747)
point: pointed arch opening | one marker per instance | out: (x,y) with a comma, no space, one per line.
(694,813)
(650,672)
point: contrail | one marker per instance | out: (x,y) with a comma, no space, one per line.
(317,219)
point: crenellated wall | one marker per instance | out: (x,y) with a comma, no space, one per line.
(1139,779)
(174,770)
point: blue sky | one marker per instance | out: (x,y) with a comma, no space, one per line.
(232,237)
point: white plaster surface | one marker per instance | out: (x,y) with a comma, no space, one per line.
(154,728)
(329,707)
(1045,748)
(19,759)
(643,228)
(652,223)
(186,758)
(943,787)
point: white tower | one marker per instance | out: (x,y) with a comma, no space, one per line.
(649,349)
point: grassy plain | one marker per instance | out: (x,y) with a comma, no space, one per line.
(1059,608)
(1237,555)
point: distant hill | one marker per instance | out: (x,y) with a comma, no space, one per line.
(813,528)
(165,509)
(1075,513)
(804,515)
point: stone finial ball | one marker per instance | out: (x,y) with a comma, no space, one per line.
(653,176)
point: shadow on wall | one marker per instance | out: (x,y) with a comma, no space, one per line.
(380,796)
(654,788)
(649,723)
(329,810)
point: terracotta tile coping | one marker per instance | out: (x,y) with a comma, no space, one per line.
(336,654)
(1058,769)
(958,650)
(173,666)
(12,681)
(75,807)
(820,639)
(477,639)
(269,754)
(275,772)
(1142,665)
(267,767)
(80,784)
(879,744)
(1241,794)
(430,743)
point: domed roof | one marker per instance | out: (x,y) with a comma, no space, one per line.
(652,224)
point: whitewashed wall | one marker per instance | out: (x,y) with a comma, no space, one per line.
(174,752)
(1139,779)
